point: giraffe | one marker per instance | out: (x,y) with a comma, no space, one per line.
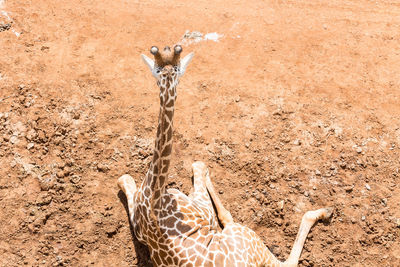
(181,230)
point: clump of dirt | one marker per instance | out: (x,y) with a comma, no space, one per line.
(295,108)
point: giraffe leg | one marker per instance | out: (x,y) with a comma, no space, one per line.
(200,194)
(224,216)
(200,190)
(128,186)
(308,220)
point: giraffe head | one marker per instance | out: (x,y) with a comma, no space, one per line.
(167,67)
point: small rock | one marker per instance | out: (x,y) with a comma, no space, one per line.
(363,218)
(281,204)
(398,222)
(359,150)
(349,188)
(306,193)
(297,142)
(60,174)
(102,167)
(76,116)
(367,186)
(237,99)
(75,179)
(318,173)
(31,135)
(30,146)
(43,199)
(111,229)
(46,182)
(13,139)
(221,192)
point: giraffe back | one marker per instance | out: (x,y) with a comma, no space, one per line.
(184,236)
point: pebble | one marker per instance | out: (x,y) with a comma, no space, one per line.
(318,173)
(76,116)
(349,188)
(362,218)
(281,204)
(13,139)
(43,199)
(221,192)
(272,186)
(111,229)
(359,150)
(102,167)
(367,186)
(75,179)
(30,146)
(60,174)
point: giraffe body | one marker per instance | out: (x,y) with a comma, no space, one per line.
(188,235)
(181,230)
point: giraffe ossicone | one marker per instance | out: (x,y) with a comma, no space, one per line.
(181,230)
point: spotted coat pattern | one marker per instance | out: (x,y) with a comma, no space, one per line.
(181,230)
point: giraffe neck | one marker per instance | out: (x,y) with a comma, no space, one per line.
(158,173)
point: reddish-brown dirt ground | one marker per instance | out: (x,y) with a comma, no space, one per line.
(294,108)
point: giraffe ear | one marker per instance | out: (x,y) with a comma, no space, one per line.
(149,62)
(185,62)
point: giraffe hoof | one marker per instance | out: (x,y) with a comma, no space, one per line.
(327,213)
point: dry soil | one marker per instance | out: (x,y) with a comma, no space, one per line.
(294,105)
